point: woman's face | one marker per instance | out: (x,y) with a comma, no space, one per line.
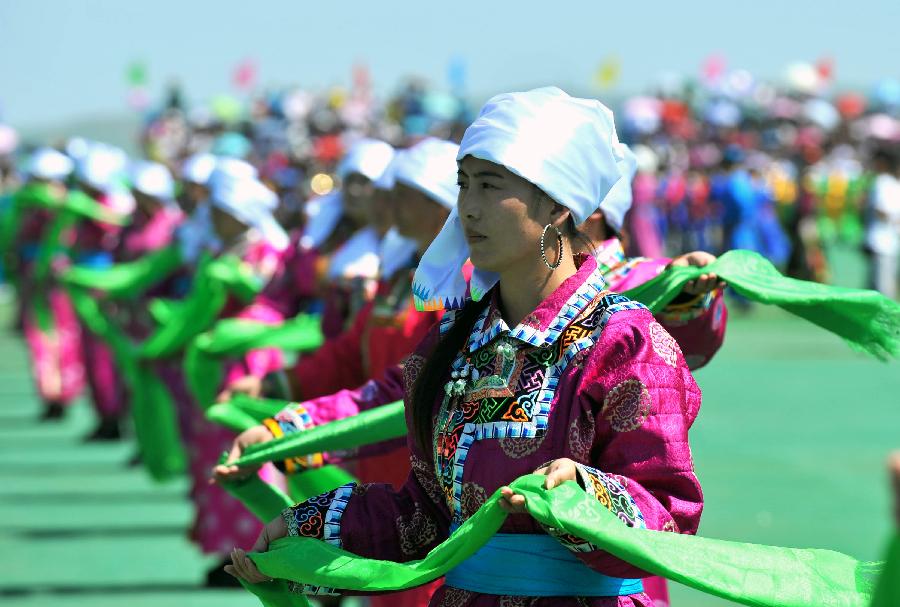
(357,191)
(503,216)
(227,227)
(416,215)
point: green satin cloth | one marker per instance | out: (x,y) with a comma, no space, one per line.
(867,320)
(748,574)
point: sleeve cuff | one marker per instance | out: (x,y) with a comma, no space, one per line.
(680,313)
(606,489)
(290,420)
(318,518)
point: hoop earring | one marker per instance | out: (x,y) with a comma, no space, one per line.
(559,247)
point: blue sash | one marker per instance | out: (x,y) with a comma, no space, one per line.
(98,260)
(520,564)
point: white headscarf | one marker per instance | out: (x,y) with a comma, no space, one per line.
(368,157)
(235,167)
(566,146)
(322,216)
(248,201)
(102,167)
(430,167)
(50,164)
(198,168)
(356,258)
(395,253)
(153,179)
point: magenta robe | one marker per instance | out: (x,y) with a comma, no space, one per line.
(589,375)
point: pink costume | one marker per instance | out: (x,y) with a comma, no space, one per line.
(94,244)
(697,323)
(588,375)
(56,363)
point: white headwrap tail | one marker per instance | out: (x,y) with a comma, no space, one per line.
(47,163)
(368,157)
(430,167)
(356,258)
(322,216)
(386,181)
(248,201)
(153,179)
(198,168)
(395,253)
(566,146)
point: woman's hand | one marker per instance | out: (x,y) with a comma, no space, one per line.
(241,565)
(557,472)
(706,282)
(230,472)
(249,385)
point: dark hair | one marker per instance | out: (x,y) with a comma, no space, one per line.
(430,381)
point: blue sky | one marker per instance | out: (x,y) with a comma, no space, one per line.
(66,59)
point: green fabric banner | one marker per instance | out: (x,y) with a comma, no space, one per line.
(243,412)
(367,428)
(887,593)
(196,313)
(233,337)
(748,574)
(867,320)
(152,407)
(213,281)
(127,280)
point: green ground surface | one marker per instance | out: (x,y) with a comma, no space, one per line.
(790,447)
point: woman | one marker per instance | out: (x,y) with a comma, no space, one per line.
(585,379)
(101,173)
(55,344)
(350,278)
(241,216)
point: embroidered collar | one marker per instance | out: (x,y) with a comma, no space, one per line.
(546,323)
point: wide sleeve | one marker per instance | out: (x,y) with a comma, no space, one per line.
(696,322)
(376,520)
(639,399)
(335,366)
(698,325)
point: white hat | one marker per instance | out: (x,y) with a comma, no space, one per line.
(248,201)
(152,179)
(367,157)
(566,146)
(235,167)
(430,167)
(102,167)
(198,168)
(47,163)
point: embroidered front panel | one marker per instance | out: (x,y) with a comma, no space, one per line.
(504,389)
